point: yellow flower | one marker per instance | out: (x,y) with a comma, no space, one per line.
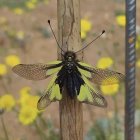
(20,35)
(83,34)
(12,60)
(7,102)
(110,89)
(30,5)
(27,115)
(138,63)
(85,25)
(25,90)
(18,11)
(121,20)
(28,100)
(33,101)
(105,62)
(3,69)
(24,98)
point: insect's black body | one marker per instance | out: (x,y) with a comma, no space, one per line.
(69,76)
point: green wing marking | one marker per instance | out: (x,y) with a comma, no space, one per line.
(54,70)
(90,96)
(84,72)
(52,94)
(100,76)
(37,71)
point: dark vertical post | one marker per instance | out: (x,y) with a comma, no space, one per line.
(71,119)
(130,69)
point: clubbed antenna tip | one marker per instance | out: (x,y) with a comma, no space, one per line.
(54,35)
(103,31)
(49,21)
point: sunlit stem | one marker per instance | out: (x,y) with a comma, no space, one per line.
(42,120)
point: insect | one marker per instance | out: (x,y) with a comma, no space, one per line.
(72,74)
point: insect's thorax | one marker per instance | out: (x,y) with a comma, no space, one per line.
(69,61)
(69,66)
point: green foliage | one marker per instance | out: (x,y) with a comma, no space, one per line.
(12,3)
(103,129)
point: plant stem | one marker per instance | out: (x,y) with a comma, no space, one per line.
(4,128)
(116,117)
(4,85)
(71,112)
(42,134)
(43,121)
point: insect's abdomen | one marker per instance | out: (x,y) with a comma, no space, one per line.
(74,83)
(70,77)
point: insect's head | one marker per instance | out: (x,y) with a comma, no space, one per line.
(69,56)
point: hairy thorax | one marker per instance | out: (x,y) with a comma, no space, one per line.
(70,66)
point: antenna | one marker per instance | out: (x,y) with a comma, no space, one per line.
(54,36)
(91,41)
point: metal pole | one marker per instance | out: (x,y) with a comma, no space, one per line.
(130,69)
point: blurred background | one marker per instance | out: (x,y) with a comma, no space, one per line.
(25,37)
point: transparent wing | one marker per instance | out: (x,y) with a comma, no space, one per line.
(97,99)
(43,102)
(102,76)
(52,94)
(106,77)
(90,95)
(35,71)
